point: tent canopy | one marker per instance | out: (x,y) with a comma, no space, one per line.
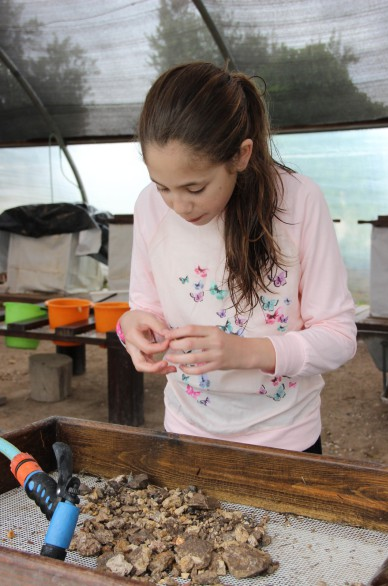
(83,68)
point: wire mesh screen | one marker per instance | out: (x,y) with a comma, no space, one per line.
(91,63)
(310,552)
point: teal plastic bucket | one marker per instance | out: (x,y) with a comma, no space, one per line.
(15,311)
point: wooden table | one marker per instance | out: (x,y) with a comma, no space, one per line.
(377,328)
(125,384)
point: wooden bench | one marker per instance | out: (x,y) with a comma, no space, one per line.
(125,385)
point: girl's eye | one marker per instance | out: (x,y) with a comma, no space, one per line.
(196,190)
(161,189)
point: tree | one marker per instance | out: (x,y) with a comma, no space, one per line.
(306,86)
(313,85)
(58,75)
(170,47)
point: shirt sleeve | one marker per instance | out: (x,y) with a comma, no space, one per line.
(143,294)
(328,337)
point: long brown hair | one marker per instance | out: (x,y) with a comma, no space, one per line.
(212,111)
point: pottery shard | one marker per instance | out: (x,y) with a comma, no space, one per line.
(244,561)
(194,552)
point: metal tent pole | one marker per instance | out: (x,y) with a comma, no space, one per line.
(215,33)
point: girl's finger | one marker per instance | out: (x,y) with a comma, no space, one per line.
(149,347)
(160,367)
(190,358)
(201,368)
(186,332)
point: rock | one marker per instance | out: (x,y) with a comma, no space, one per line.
(104,536)
(161,561)
(201,501)
(194,552)
(102,560)
(170,533)
(241,534)
(244,561)
(119,565)
(186,564)
(115,523)
(86,544)
(139,481)
(205,577)
(102,516)
(172,502)
(122,546)
(217,564)
(140,558)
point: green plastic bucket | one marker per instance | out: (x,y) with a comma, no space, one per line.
(16,311)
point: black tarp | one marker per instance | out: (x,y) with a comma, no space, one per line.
(38,220)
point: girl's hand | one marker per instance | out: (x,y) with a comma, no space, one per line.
(141,330)
(206,348)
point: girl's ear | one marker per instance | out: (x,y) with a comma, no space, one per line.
(244,155)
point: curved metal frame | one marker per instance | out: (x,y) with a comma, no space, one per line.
(214,32)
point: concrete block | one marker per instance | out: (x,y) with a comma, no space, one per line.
(50,377)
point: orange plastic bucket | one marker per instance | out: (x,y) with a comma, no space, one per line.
(67,310)
(107,314)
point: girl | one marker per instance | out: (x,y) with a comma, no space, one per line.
(236,273)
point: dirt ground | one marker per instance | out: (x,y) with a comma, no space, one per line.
(355,418)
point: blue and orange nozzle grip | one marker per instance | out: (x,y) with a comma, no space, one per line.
(39,486)
(22,465)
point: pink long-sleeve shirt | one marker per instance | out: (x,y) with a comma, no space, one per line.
(177,273)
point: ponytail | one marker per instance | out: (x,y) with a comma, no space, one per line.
(252,254)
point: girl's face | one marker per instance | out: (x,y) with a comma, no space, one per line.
(195,189)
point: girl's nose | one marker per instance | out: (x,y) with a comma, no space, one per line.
(180,206)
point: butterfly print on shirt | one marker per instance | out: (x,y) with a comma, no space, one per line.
(204,381)
(197,296)
(280,279)
(190,391)
(201,272)
(219,293)
(268,304)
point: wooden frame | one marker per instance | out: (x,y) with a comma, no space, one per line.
(319,487)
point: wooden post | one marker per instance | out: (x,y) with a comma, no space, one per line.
(78,356)
(125,385)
